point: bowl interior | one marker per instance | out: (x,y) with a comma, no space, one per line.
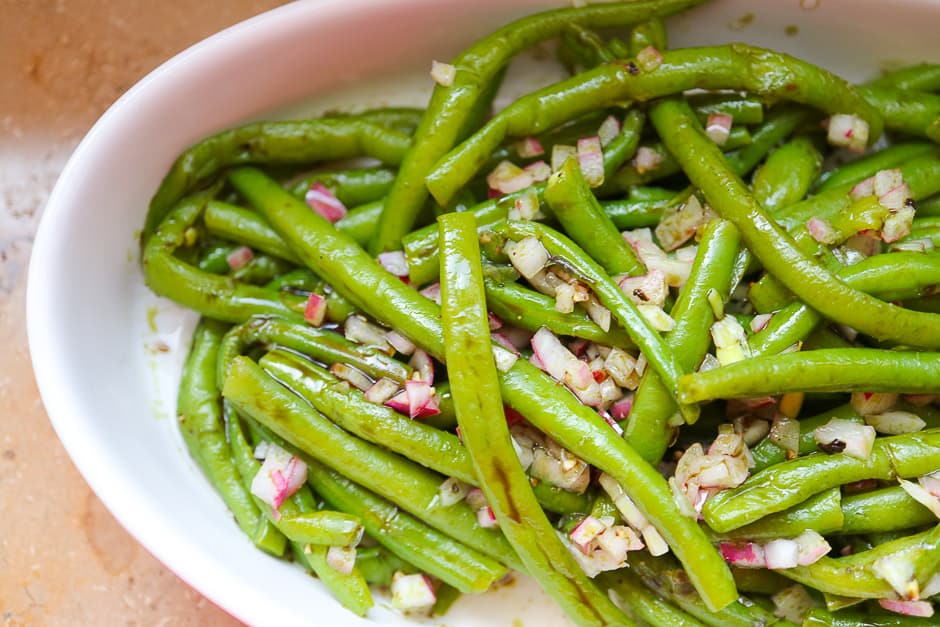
(107,353)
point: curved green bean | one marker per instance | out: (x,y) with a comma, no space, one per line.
(880,511)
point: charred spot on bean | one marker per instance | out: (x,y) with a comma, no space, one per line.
(632,68)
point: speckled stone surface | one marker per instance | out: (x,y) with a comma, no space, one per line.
(63,558)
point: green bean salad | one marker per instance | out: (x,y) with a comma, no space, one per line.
(661,335)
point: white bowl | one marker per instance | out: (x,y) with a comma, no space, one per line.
(108,390)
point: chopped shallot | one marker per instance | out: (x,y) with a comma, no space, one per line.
(443,73)
(648,59)
(608,130)
(923,609)
(239,257)
(845,436)
(591,160)
(646,160)
(279,477)
(342,559)
(528,256)
(529,147)
(324,202)
(412,592)
(849,131)
(395,262)
(315,310)
(718,127)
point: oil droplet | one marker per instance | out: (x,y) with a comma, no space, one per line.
(742,21)
(792,30)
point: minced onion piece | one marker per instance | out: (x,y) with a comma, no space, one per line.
(645,289)
(443,73)
(422,401)
(504,359)
(865,187)
(822,231)
(792,603)
(599,314)
(621,409)
(559,467)
(633,516)
(654,258)
(281,474)
(239,258)
(648,59)
(591,160)
(315,309)
(526,206)
(529,147)
(324,202)
(412,592)
(848,131)
(486,518)
(359,330)
(743,554)
(658,319)
(261,451)
(922,609)
(432,292)
(760,322)
(897,224)
(585,531)
(782,553)
(646,160)
(539,171)
(730,340)
(709,362)
(919,245)
(718,127)
(342,559)
(351,375)
(551,356)
(453,490)
(884,181)
(422,365)
(898,572)
(608,130)
(528,256)
(896,197)
(785,433)
(564,298)
(560,154)
(922,496)
(621,366)
(394,262)
(381,391)
(400,343)
(812,547)
(895,422)
(867,403)
(752,429)
(845,436)
(609,419)
(507,178)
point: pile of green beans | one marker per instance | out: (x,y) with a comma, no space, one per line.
(651,341)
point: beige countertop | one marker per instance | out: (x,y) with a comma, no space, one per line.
(63,558)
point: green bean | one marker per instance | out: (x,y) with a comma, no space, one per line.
(302,141)
(246,227)
(824,370)
(661,359)
(920,77)
(642,604)
(430,447)
(573,203)
(351,187)
(778,186)
(821,618)
(789,483)
(652,32)
(720,67)
(780,123)
(759,580)
(647,428)
(566,134)
(322,345)
(402,119)
(214,296)
(911,112)
(768,453)
(203,430)
(822,513)
(744,109)
(530,310)
(476,66)
(776,250)
(351,590)
(378,565)
(404,535)
(624,145)
(853,575)
(580,48)
(524,388)
(884,510)
(486,435)
(890,157)
(415,490)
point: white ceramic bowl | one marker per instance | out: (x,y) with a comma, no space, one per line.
(94,329)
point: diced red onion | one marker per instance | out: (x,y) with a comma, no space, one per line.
(599,314)
(399,402)
(792,603)
(648,59)
(526,206)
(443,73)
(239,257)
(897,224)
(261,451)
(400,343)
(551,353)
(453,490)
(730,341)
(421,399)
(528,256)
(782,553)
(381,391)
(564,298)
(279,477)
(922,496)
(432,292)
(539,171)
(848,131)
(560,468)
(885,180)
(657,318)
(923,609)
(342,559)
(785,433)
(412,592)
(822,231)
(505,359)
(358,329)
(646,289)
(718,127)
(863,188)
(896,422)
(621,409)
(351,375)
(529,147)
(507,178)
(560,154)
(486,518)
(591,160)
(324,202)
(867,403)
(898,571)
(585,531)
(896,197)
(845,436)
(743,554)
(646,160)
(752,429)
(760,322)
(423,366)
(621,366)
(394,262)
(609,419)
(812,547)
(315,309)
(608,130)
